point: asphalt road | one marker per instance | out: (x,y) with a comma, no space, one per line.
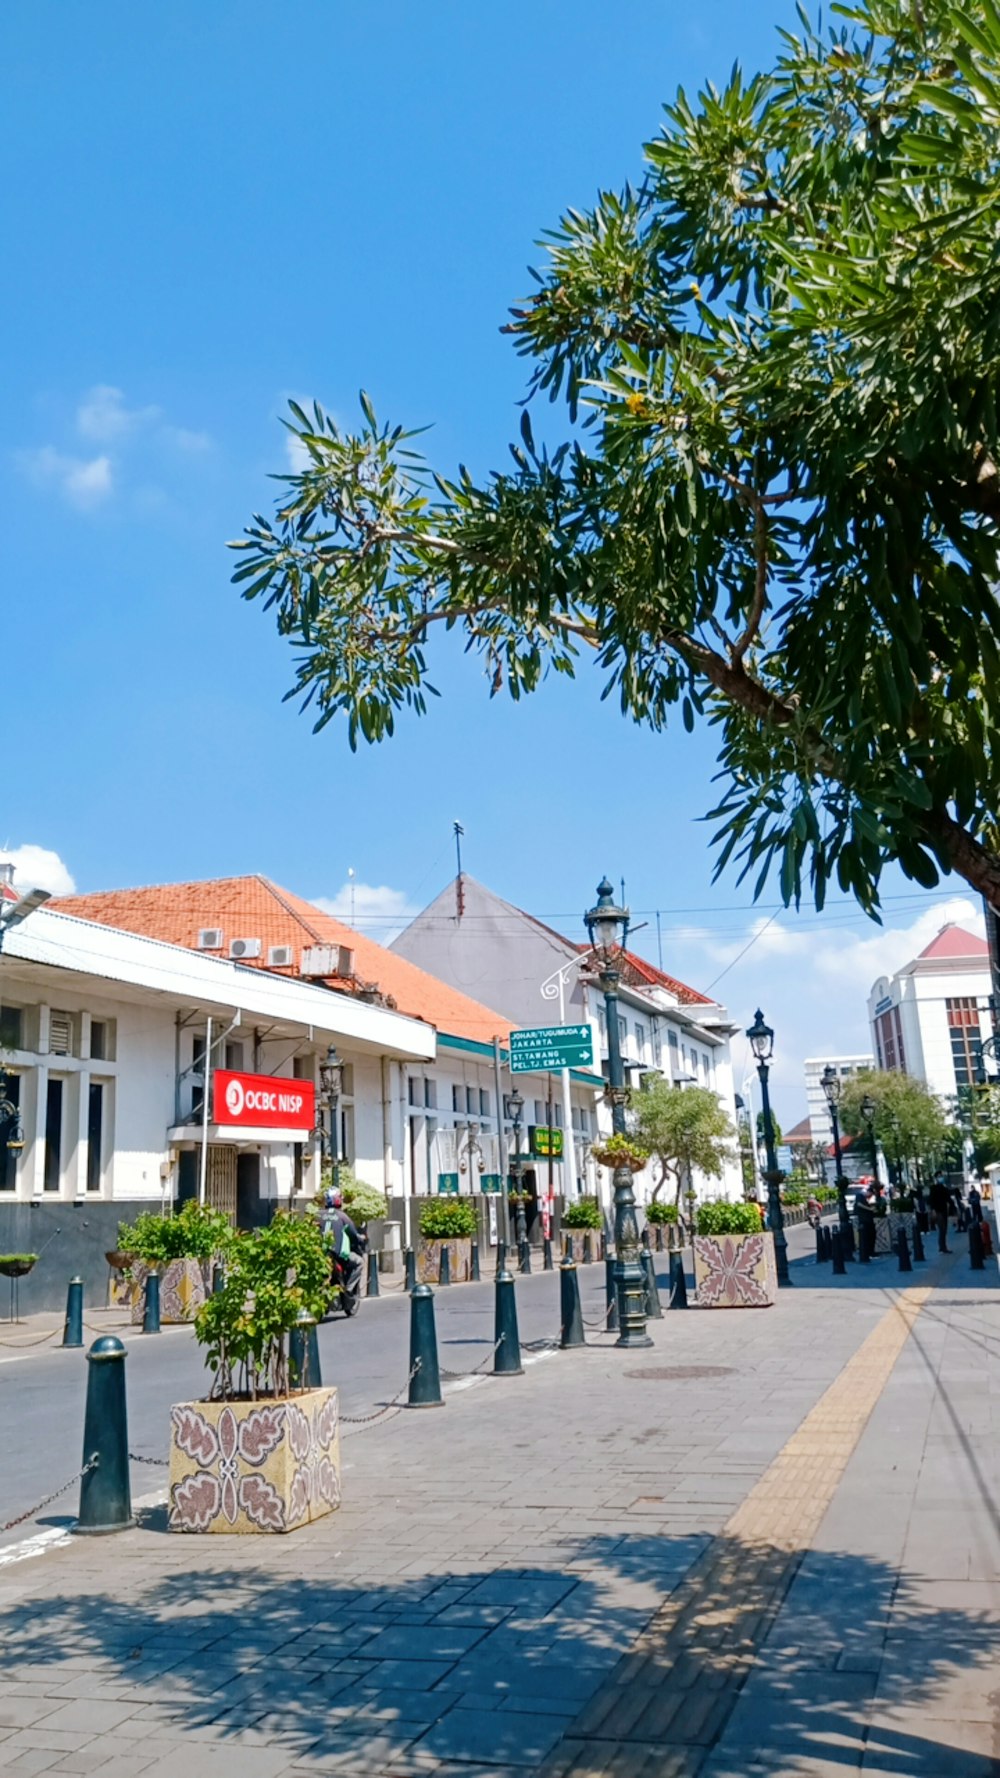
(42,1394)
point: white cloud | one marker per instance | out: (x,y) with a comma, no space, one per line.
(36,867)
(103,416)
(296,453)
(85,482)
(812,980)
(186,440)
(378,911)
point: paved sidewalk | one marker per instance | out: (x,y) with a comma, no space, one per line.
(769,1544)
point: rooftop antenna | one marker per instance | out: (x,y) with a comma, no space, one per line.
(459,886)
(659,940)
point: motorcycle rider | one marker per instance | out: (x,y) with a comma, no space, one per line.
(346,1241)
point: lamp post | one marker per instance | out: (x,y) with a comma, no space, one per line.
(867,1109)
(331,1078)
(761,1039)
(832,1086)
(604,923)
(515,1107)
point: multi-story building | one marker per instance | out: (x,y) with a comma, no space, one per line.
(931,1017)
(476,941)
(819,1111)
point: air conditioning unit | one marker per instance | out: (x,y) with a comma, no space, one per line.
(244,947)
(210,938)
(345,960)
(280,956)
(327,960)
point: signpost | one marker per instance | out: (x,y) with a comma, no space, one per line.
(549,1048)
(546,1143)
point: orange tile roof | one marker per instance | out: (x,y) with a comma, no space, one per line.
(639,973)
(254,907)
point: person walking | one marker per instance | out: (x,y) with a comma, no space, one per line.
(939,1203)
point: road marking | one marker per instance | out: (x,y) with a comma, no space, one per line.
(57,1536)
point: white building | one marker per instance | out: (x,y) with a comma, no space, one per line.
(479,943)
(819,1112)
(931,1017)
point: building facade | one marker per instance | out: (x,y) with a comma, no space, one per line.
(845,1068)
(931,1018)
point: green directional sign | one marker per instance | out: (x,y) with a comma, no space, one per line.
(551,1047)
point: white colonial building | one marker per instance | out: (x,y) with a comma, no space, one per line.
(931,1017)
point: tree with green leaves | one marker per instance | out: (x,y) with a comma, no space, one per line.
(771,495)
(686,1131)
(909,1120)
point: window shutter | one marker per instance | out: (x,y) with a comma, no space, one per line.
(60,1033)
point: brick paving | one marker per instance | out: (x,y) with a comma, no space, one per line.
(613,1565)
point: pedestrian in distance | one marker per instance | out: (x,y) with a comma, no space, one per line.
(939,1203)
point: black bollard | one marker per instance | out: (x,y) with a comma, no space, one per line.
(837,1254)
(820,1245)
(151,1306)
(976,1260)
(850,1246)
(653,1310)
(918,1243)
(588,1248)
(73,1328)
(218,1278)
(303,1352)
(105,1497)
(678,1283)
(409,1269)
(828,1243)
(524,1257)
(444,1265)
(501,1258)
(610,1297)
(658,1237)
(547,1265)
(371,1285)
(507,1357)
(570,1313)
(903,1251)
(474,1272)
(425,1377)
(864,1256)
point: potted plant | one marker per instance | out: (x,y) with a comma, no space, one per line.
(662,1217)
(620,1151)
(262,1452)
(449,1222)
(582,1218)
(734,1264)
(181,1248)
(16,1265)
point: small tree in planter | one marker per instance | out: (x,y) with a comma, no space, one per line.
(260,1454)
(686,1131)
(734,1264)
(452,1222)
(181,1248)
(581,1217)
(660,1217)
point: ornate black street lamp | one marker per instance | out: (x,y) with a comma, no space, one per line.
(867,1110)
(761,1039)
(515,1110)
(331,1081)
(832,1086)
(10,1114)
(607,929)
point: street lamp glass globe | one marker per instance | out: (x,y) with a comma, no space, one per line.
(515,1106)
(761,1038)
(867,1109)
(330,1072)
(832,1084)
(604,920)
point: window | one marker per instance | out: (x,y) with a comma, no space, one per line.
(95,1135)
(484,1104)
(966,1041)
(622,1032)
(11,1028)
(8,1156)
(889,1038)
(602,1024)
(657,1046)
(672,1041)
(98,1040)
(415,1089)
(472,1101)
(53,1135)
(234,1057)
(640,1040)
(430,1094)
(540,1111)
(458,1098)
(60,1033)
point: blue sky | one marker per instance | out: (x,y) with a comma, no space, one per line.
(207,209)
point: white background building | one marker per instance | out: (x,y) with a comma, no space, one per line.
(931,1017)
(819,1112)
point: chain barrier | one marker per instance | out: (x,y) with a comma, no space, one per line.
(386,1408)
(26,1345)
(47,1501)
(153,1462)
(455,1376)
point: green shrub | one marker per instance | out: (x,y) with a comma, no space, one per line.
(621,1151)
(447,1219)
(271,1276)
(17,1259)
(583,1213)
(793,1197)
(363,1203)
(195,1232)
(657,1211)
(717,1217)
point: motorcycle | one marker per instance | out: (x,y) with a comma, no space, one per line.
(345,1277)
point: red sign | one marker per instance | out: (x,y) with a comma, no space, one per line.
(264,1101)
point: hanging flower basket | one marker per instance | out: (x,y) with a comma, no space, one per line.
(618,1151)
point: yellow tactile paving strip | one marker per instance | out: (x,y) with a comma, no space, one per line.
(669,1699)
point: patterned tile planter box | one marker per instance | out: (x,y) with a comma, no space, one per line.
(241,1467)
(459,1260)
(184,1285)
(735,1271)
(576,1238)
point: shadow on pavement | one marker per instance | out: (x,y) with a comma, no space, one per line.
(510,1668)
